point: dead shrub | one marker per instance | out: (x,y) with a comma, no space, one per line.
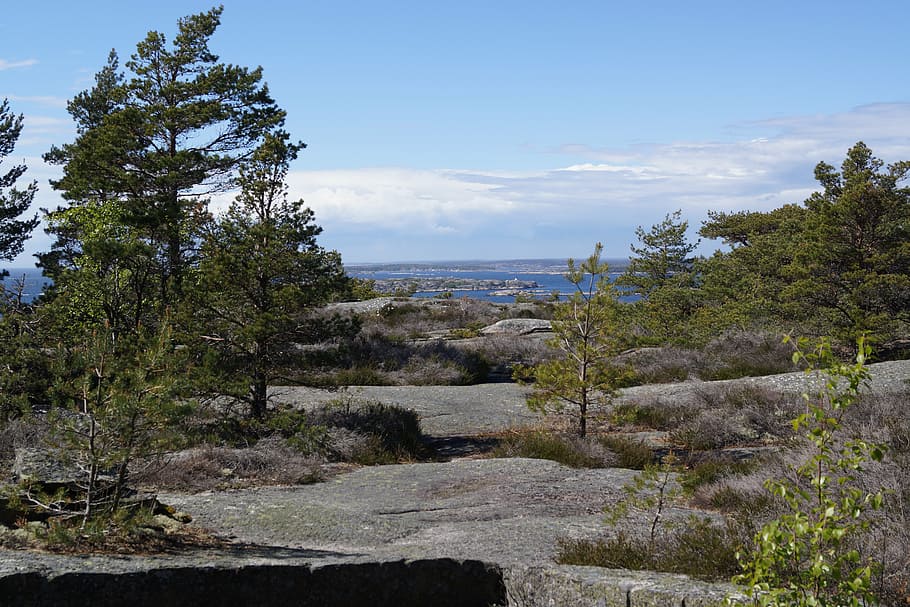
(512,350)
(27,431)
(569,450)
(270,462)
(707,429)
(746,354)
(663,365)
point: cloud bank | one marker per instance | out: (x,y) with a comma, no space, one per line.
(404,214)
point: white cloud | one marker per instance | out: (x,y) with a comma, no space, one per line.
(11,65)
(40,132)
(375,214)
(605,190)
(399,198)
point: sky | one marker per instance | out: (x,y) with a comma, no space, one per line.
(511,129)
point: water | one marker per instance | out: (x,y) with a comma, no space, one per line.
(32,279)
(549,276)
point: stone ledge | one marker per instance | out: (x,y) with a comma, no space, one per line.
(438,582)
(138,582)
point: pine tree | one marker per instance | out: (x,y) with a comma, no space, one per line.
(588,331)
(13,201)
(261,272)
(163,137)
(663,254)
(661,274)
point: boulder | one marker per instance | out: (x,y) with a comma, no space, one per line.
(518,326)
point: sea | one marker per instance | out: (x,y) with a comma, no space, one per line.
(548,274)
(32,282)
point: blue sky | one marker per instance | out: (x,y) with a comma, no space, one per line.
(491,130)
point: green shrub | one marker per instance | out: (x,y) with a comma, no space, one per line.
(657,416)
(569,451)
(396,430)
(355,376)
(713,470)
(746,354)
(464,333)
(631,454)
(701,549)
(808,555)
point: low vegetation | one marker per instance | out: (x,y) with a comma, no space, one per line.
(846,454)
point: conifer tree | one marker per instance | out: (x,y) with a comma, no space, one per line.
(664,253)
(588,332)
(261,272)
(661,274)
(160,139)
(14,231)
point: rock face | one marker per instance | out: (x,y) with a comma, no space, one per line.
(466,533)
(439,582)
(504,511)
(445,411)
(518,326)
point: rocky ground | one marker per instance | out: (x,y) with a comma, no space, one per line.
(504,513)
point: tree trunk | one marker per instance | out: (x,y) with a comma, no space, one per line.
(258,395)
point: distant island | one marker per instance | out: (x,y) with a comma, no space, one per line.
(524,266)
(472,278)
(432,284)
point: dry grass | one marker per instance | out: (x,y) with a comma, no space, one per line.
(699,548)
(715,417)
(270,462)
(567,449)
(746,354)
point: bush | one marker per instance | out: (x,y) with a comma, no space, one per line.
(271,461)
(705,430)
(343,430)
(746,354)
(702,549)
(631,454)
(715,416)
(27,431)
(395,431)
(656,415)
(807,555)
(376,358)
(712,471)
(663,365)
(570,451)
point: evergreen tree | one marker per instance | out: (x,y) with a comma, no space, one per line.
(261,273)
(588,331)
(837,265)
(163,137)
(128,403)
(24,364)
(741,289)
(660,272)
(853,266)
(664,253)
(13,201)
